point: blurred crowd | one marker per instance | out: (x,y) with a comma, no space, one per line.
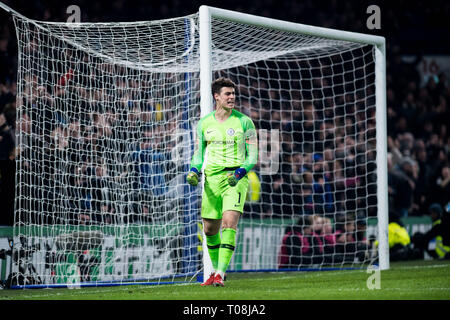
(327,151)
(315,240)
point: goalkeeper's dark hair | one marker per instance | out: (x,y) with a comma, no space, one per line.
(221,82)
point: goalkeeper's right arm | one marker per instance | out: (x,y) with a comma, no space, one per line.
(192,177)
(197,159)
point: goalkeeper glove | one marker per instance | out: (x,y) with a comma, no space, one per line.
(192,177)
(233,178)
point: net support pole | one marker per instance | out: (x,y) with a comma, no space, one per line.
(381,136)
(206,103)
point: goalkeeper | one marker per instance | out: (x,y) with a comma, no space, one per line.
(227,143)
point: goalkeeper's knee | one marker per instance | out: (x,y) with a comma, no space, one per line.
(192,177)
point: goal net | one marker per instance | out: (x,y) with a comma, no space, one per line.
(106,117)
(313,200)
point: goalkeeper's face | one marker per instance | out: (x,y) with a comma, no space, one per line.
(226,98)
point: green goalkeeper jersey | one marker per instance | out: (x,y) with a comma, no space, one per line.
(232,143)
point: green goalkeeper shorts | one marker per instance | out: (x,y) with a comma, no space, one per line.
(219,196)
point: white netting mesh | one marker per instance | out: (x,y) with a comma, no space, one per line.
(105,133)
(313,101)
(99,146)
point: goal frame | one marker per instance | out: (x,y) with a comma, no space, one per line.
(206,13)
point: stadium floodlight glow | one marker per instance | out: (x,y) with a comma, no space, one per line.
(106,117)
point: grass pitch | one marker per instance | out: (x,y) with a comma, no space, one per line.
(414,280)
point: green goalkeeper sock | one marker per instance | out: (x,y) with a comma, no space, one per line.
(226,249)
(213,243)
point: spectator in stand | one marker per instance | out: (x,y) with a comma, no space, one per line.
(399,189)
(362,243)
(318,236)
(322,186)
(400,246)
(7,179)
(300,247)
(278,196)
(99,196)
(345,237)
(422,185)
(150,166)
(440,233)
(297,170)
(317,224)
(6,139)
(329,240)
(440,189)
(7,95)
(410,171)
(149,170)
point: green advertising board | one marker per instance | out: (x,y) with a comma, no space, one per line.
(133,251)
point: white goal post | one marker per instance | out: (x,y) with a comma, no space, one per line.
(106,118)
